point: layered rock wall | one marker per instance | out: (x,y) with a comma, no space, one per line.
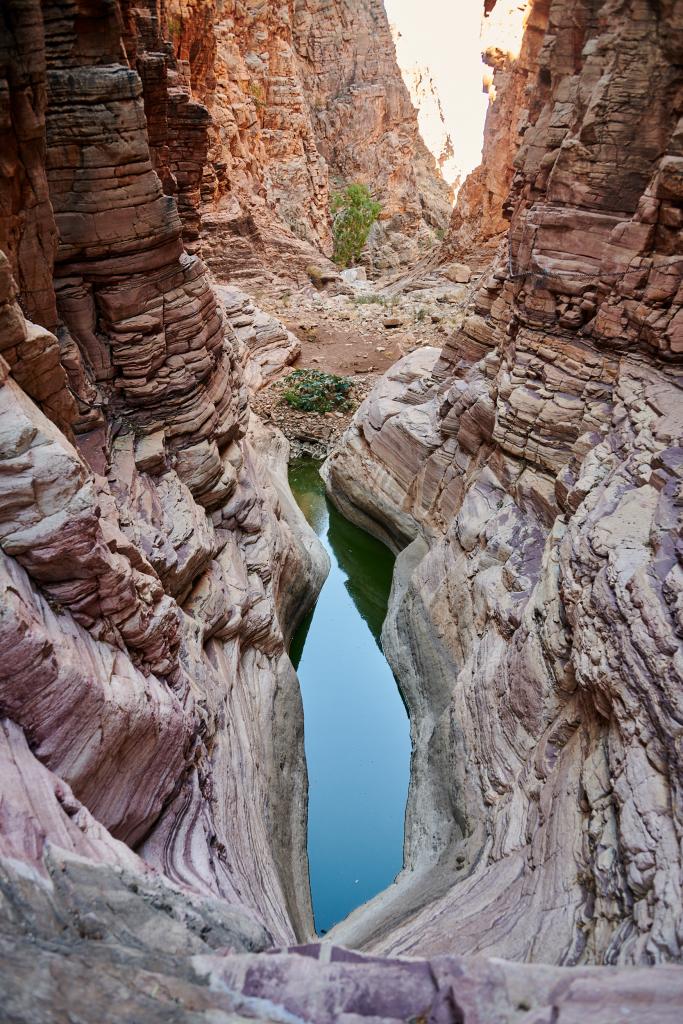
(153,571)
(257,111)
(263,175)
(153,564)
(533,468)
(27,221)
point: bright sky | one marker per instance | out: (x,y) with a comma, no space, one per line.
(443,35)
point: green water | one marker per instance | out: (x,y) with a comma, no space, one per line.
(357,733)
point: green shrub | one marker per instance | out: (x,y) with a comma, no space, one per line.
(354,211)
(257,93)
(368,300)
(315,391)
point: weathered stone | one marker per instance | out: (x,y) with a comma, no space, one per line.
(252,114)
(150,454)
(365,125)
(119,689)
(153,811)
(267,345)
(533,621)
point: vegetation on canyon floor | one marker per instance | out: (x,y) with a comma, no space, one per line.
(315,391)
(371,299)
(354,211)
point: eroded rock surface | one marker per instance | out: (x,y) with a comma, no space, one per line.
(257,111)
(153,568)
(365,124)
(322,984)
(267,344)
(154,565)
(512,33)
(531,471)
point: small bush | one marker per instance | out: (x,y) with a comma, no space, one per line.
(257,93)
(367,300)
(315,391)
(316,275)
(354,211)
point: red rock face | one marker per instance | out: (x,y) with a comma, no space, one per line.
(139,307)
(298,98)
(365,125)
(479,219)
(27,221)
(27,225)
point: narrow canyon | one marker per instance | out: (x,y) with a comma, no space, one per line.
(508,423)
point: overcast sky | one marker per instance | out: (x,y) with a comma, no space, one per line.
(444,36)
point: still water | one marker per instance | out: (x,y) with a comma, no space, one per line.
(357,733)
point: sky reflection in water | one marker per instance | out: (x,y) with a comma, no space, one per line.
(356,727)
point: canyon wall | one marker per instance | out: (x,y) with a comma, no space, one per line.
(365,124)
(264,188)
(512,34)
(530,474)
(154,564)
(258,111)
(430,115)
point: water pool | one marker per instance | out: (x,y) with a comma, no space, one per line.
(357,733)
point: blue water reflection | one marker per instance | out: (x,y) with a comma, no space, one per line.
(356,728)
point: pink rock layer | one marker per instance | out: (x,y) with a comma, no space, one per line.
(154,564)
(533,466)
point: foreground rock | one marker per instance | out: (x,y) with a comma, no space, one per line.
(188,978)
